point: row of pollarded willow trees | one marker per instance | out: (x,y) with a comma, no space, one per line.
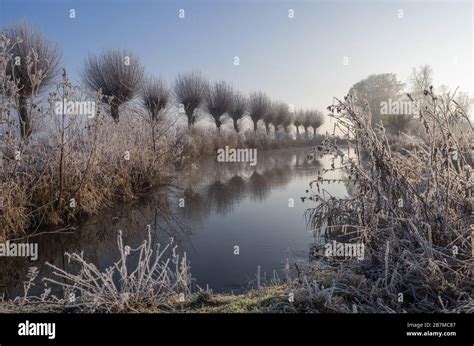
(191,92)
(119,75)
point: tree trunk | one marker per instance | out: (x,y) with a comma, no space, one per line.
(235,125)
(255,126)
(189,114)
(25,118)
(218,122)
(114,110)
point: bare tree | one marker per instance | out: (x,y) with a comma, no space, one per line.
(118,73)
(35,65)
(259,105)
(281,115)
(155,99)
(312,118)
(369,93)
(218,99)
(298,120)
(189,90)
(238,108)
(421,79)
(317,119)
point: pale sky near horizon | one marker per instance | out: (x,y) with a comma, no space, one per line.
(298,61)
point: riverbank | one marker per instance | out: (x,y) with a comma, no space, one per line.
(266,299)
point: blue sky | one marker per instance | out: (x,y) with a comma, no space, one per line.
(297,60)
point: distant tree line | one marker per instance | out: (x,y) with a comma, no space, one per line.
(120,77)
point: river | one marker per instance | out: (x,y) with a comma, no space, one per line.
(229,218)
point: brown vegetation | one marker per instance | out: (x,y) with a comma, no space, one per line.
(411,208)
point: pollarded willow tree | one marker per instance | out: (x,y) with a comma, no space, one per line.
(281,115)
(218,100)
(155,99)
(237,108)
(189,90)
(34,65)
(317,120)
(269,117)
(312,118)
(118,73)
(259,105)
(298,120)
